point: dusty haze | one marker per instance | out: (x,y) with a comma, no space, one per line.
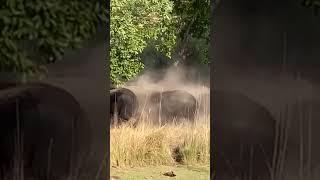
(172,79)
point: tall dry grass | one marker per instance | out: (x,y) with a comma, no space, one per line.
(149,144)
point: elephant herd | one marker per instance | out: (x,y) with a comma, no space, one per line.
(44,128)
(166,106)
(45,131)
(243,135)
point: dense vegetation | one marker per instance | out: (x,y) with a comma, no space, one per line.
(163,27)
(34,33)
(133,23)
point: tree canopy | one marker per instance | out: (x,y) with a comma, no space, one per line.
(34,33)
(133,24)
(166,25)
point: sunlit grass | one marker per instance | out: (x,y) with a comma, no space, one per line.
(148,144)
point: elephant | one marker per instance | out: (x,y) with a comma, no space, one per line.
(123,105)
(52,132)
(173,105)
(243,133)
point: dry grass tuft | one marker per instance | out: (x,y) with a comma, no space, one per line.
(152,145)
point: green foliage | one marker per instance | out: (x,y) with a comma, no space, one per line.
(34,33)
(198,48)
(154,59)
(193,18)
(133,23)
(193,25)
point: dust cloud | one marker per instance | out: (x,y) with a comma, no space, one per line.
(172,78)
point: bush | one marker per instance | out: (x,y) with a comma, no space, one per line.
(35,33)
(133,23)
